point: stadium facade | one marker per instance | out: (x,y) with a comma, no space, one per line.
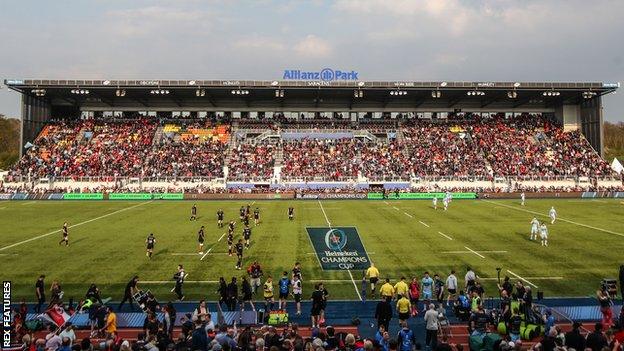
(578,106)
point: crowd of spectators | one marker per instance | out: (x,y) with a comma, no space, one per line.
(326,159)
(533,145)
(252,161)
(89,148)
(434,297)
(387,161)
(186,158)
(437,150)
(525,145)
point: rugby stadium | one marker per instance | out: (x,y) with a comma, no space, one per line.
(325,179)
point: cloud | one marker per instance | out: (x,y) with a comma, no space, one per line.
(256,42)
(313,46)
(152,20)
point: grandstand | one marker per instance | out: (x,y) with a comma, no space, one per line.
(158,134)
(248,141)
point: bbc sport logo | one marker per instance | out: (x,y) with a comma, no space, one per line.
(324,75)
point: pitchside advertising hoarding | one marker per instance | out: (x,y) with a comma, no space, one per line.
(338,248)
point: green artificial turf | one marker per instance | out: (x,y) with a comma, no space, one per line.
(110,247)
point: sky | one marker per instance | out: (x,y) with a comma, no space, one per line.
(438,40)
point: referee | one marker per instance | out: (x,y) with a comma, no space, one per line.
(372,273)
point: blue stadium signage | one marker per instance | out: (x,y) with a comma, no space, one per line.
(325,75)
(338,248)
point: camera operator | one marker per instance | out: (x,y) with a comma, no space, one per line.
(93,294)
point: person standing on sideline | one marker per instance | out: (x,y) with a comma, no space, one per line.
(414,294)
(605,308)
(40,293)
(297,291)
(373,276)
(431,318)
(403,307)
(386,290)
(179,280)
(284,290)
(268,294)
(232,295)
(401,288)
(522,198)
(383,313)
(131,289)
(469,280)
(247,295)
(317,306)
(255,273)
(451,287)
(426,289)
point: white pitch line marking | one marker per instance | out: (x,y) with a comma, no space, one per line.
(474,252)
(314,253)
(523,279)
(470,252)
(446,236)
(186,281)
(216,281)
(184,254)
(324,214)
(532,278)
(29,203)
(409,215)
(396,208)
(355,285)
(74,225)
(558,218)
(386,202)
(221,237)
(423,223)
(350,275)
(206,254)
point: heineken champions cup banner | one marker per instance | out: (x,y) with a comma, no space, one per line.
(338,248)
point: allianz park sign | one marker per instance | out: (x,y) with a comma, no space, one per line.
(325,75)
